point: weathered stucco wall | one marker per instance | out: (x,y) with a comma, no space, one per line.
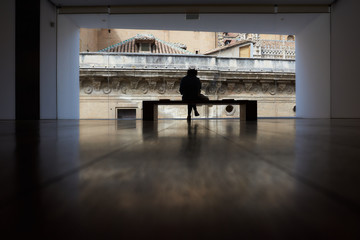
(233,52)
(88,40)
(177,61)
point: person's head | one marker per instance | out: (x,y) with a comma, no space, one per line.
(192,72)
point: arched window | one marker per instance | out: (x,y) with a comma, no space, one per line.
(291,38)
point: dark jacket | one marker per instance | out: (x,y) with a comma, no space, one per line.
(190,87)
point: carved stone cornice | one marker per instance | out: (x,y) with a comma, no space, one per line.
(143,86)
(96,85)
(170,86)
(115,84)
(231,87)
(170,83)
(152,84)
(124,86)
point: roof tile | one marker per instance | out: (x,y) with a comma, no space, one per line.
(129,45)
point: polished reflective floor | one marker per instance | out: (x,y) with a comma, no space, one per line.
(208,179)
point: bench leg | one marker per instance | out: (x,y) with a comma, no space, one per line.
(248,111)
(242,112)
(251,111)
(149,111)
(155,111)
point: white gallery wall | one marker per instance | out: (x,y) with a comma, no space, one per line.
(68,45)
(345,53)
(7,59)
(313,69)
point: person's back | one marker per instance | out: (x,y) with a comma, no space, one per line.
(190,86)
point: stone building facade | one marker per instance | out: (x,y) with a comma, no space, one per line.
(262,46)
(113,85)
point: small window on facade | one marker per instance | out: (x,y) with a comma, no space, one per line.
(227,42)
(229,110)
(291,38)
(145,47)
(126,113)
(196,51)
(245,51)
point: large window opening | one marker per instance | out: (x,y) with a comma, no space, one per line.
(126,113)
(120,68)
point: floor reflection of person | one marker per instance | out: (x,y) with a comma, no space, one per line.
(191,146)
(190,88)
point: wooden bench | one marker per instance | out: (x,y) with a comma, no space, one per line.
(248,109)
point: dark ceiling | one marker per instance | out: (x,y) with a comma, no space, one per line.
(183,2)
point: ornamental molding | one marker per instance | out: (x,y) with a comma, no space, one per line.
(96,85)
(231,87)
(152,84)
(134,83)
(116,85)
(177,74)
(170,86)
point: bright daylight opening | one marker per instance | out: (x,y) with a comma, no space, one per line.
(121,68)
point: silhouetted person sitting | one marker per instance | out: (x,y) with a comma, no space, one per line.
(190,87)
